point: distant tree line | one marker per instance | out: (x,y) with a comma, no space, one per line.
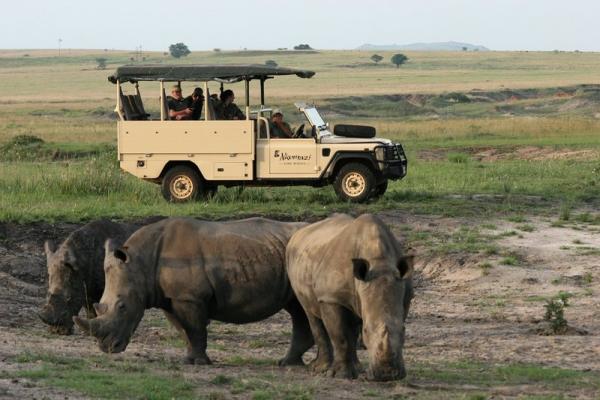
(396,59)
(302,47)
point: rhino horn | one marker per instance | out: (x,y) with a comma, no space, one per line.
(109,246)
(89,326)
(100,308)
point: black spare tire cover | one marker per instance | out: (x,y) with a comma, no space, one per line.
(354,131)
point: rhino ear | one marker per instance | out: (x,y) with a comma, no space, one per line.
(49,247)
(361,268)
(406,264)
(122,254)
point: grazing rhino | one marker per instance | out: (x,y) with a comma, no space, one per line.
(345,272)
(196,271)
(76,273)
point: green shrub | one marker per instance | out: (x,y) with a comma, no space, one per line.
(555,312)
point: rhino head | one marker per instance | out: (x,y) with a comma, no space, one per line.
(66,289)
(385,290)
(122,305)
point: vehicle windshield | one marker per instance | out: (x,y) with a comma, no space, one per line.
(314,118)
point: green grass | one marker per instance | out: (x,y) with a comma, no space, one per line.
(102,378)
(526,228)
(487,375)
(105,377)
(94,187)
(510,260)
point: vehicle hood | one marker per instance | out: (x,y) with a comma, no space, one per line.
(342,139)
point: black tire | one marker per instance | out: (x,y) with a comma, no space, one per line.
(380,190)
(354,182)
(182,184)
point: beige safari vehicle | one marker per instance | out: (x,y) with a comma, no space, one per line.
(190,159)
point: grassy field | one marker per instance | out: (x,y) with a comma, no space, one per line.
(72,175)
(102,377)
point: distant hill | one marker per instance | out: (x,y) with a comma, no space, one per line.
(439,46)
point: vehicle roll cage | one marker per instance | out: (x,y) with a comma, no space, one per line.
(199,73)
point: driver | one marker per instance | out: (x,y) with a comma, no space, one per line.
(279,128)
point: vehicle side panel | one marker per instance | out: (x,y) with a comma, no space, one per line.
(206,137)
(222,150)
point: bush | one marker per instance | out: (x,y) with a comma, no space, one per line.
(555,312)
(179,50)
(458,158)
(271,63)
(101,63)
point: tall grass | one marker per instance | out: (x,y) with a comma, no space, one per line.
(96,187)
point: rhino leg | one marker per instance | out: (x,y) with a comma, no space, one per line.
(341,328)
(192,319)
(302,338)
(324,351)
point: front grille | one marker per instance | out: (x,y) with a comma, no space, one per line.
(394,152)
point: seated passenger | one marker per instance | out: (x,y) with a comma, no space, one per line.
(178,106)
(227,109)
(279,128)
(195,101)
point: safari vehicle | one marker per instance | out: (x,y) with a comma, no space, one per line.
(190,159)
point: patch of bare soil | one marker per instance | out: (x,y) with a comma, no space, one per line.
(461,312)
(531,153)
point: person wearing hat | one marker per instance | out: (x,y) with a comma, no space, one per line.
(279,128)
(178,106)
(195,102)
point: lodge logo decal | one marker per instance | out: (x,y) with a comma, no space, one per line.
(283,156)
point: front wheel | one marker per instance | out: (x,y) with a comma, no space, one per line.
(354,183)
(380,190)
(182,184)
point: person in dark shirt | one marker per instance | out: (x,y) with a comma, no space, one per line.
(227,109)
(279,128)
(179,108)
(195,101)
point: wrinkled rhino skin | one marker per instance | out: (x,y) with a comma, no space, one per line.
(196,271)
(76,272)
(345,272)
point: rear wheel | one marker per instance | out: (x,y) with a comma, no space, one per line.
(354,182)
(182,184)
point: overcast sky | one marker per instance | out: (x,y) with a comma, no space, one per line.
(324,24)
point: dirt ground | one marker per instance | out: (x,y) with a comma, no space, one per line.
(530,153)
(468,307)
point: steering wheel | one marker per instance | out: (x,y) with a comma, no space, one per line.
(299,132)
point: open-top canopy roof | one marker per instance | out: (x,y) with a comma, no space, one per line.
(197,72)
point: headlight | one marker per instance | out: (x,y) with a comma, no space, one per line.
(380,153)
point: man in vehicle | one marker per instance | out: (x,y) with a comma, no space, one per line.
(227,109)
(195,102)
(179,108)
(279,128)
